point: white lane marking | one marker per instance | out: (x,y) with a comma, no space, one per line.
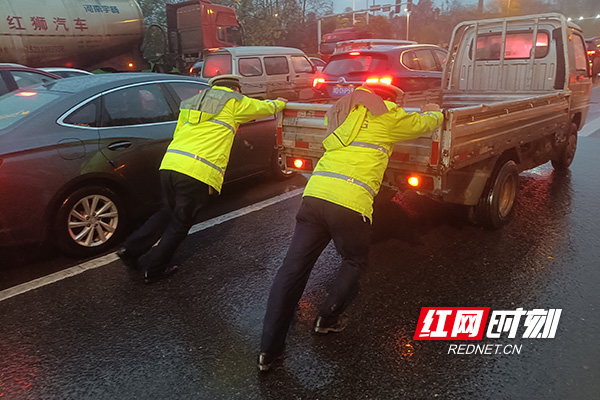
(109,258)
(590,127)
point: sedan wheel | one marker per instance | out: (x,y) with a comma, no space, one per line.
(89,221)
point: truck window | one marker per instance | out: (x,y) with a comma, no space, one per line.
(234,35)
(276,65)
(301,64)
(250,66)
(518,46)
(217,64)
(579,52)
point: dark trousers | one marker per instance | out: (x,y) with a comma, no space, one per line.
(317,222)
(183,198)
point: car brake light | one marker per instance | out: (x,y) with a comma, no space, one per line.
(130,65)
(591,52)
(299,163)
(317,82)
(191,69)
(355,53)
(386,79)
(25,94)
(213,49)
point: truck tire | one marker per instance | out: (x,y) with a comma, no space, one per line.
(89,221)
(567,152)
(278,169)
(497,201)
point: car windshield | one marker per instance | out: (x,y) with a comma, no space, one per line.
(357,64)
(17,106)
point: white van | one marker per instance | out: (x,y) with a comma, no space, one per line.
(267,72)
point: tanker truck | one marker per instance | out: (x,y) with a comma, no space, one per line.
(110,34)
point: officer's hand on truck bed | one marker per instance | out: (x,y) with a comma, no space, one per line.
(430,107)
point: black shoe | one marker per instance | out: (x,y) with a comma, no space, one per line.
(325,326)
(266,360)
(127,259)
(151,277)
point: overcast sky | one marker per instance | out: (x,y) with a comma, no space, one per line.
(340,5)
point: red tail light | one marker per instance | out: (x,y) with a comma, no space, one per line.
(25,94)
(384,79)
(317,82)
(420,182)
(355,53)
(591,52)
(299,163)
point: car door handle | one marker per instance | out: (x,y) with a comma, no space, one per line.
(119,145)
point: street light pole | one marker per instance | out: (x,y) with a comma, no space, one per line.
(407,21)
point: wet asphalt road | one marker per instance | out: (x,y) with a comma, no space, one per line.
(99,335)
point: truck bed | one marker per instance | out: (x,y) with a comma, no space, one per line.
(476,127)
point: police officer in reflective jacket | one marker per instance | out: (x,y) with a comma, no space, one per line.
(338,204)
(192,168)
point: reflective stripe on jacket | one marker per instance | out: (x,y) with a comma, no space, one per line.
(351,175)
(202,141)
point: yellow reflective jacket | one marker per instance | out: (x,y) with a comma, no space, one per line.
(202,141)
(351,170)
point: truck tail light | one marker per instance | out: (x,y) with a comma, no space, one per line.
(420,182)
(299,163)
(317,82)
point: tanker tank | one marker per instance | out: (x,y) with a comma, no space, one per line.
(87,34)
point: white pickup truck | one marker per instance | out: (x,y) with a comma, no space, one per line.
(514,94)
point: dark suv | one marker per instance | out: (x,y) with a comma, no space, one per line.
(412,68)
(593,49)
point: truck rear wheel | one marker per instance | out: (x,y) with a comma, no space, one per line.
(567,153)
(497,201)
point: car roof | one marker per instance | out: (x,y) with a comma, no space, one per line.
(66,69)
(387,49)
(260,50)
(107,81)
